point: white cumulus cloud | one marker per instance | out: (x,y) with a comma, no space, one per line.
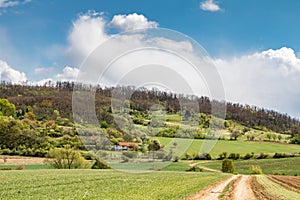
(9,74)
(210,5)
(131,22)
(87,32)
(68,74)
(91,29)
(269,79)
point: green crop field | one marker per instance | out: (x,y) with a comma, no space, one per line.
(287,166)
(276,190)
(241,147)
(101,184)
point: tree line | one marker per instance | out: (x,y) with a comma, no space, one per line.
(58,96)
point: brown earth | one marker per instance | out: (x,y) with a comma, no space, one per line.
(212,192)
(242,187)
(289,182)
(230,193)
(20,160)
(259,190)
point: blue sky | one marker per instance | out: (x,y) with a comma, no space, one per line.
(241,36)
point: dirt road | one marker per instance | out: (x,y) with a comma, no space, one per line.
(240,188)
(243,189)
(212,192)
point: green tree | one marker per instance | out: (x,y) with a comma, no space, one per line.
(269,136)
(154,145)
(235,134)
(7,108)
(99,164)
(66,158)
(227,166)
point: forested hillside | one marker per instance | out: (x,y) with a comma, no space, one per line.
(36,119)
(58,96)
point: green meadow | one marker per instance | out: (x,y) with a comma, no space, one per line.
(234,146)
(102,184)
(286,166)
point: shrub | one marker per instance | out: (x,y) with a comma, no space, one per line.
(195,169)
(248,156)
(204,156)
(295,140)
(87,155)
(124,158)
(162,155)
(6,168)
(187,156)
(104,124)
(176,159)
(99,164)
(256,170)
(6,151)
(20,167)
(263,156)
(227,166)
(222,156)
(129,154)
(234,156)
(207,156)
(279,155)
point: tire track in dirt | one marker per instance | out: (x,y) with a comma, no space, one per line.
(212,192)
(243,189)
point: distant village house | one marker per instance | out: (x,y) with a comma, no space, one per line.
(121,146)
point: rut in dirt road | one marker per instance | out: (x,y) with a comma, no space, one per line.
(242,190)
(212,192)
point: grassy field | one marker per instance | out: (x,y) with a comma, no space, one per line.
(101,184)
(242,147)
(287,166)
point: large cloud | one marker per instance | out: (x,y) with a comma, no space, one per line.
(131,22)
(269,78)
(9,74)
(88,32)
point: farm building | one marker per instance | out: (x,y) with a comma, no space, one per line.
(125,146)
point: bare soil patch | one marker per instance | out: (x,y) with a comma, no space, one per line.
(259,190)
(288,182)
(243,189)
(229,195)
(20,160)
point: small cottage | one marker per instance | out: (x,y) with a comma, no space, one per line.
(125,146)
